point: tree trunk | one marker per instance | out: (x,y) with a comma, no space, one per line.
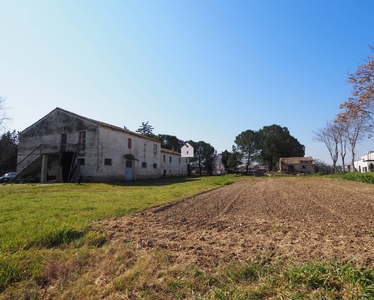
(353,160)
(343,162)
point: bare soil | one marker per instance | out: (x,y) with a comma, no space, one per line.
(298,219)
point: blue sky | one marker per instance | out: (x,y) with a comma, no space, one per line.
(200,70)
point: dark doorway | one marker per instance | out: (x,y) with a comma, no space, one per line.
(66,163)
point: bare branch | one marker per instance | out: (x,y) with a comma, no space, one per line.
(3,115)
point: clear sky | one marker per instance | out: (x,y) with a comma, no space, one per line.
(200,70)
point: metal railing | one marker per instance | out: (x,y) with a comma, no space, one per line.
(45,149)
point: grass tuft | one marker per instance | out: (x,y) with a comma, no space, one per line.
(59,236)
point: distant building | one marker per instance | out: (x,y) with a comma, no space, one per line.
(365,163)
(296,165)
(218,167)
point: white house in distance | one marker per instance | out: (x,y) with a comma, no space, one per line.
(218,167)
(62,145)
(364,162)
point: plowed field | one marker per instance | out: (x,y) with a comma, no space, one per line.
(294,218)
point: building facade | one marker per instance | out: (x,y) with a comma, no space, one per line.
(365,163)
(63,145)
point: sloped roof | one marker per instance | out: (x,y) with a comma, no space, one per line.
(164,150)
(99,123)
(295,160)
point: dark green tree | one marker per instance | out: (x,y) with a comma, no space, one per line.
(146,129)
(8,151)
(170,142)
(231,160)
(225,158)
(235,160)
(205,155)
(247,145)
(275,142)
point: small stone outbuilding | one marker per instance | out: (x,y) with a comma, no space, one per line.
(296,165)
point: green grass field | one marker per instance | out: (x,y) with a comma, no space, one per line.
(30,214)
(47,243)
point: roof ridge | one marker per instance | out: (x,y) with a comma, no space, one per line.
(95,122)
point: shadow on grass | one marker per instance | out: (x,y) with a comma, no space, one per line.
(157,181)
(57,237)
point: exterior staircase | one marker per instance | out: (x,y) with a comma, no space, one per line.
(35,161)
(31,164)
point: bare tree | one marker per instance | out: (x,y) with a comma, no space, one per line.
(362,100)
(329,135)
(355,128)
(342,131)
(3,116)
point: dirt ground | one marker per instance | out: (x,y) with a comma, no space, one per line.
(297,218)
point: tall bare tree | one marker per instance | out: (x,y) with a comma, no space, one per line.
(355,127)
(3,115)
(342,131)
(362,100)
(329,135)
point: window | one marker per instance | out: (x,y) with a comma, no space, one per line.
(170,159)
(186,161)
(128,164)
(64,138)
(179,160)
(154,148)
(144,164)
(108,161)
(81,161)
(129,143)
(163,158)
(82,137)
(154,166)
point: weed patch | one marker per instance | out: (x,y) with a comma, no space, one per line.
(360,177)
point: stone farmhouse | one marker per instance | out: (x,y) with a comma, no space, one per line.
(296,165)
(63,145)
